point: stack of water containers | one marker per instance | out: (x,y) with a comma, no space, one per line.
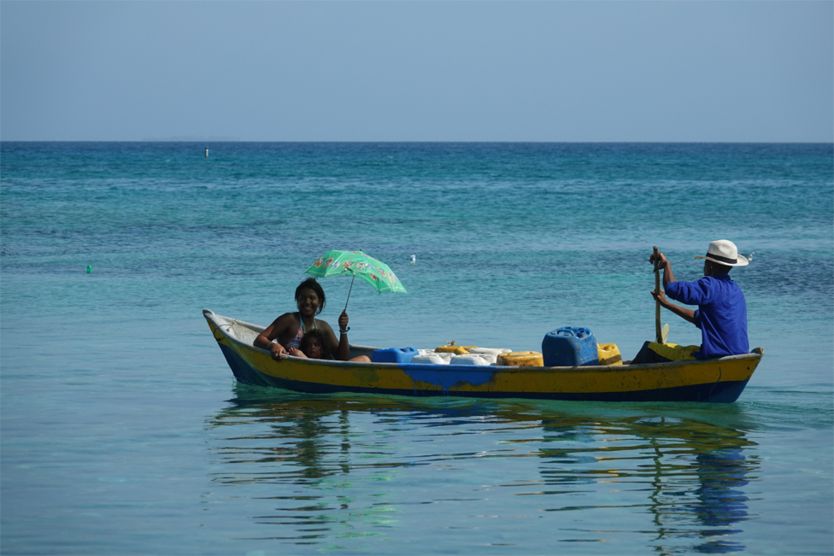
(469,355)
(569,346)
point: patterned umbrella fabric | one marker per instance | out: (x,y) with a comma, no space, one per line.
(356,264)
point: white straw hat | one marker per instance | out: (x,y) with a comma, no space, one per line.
(725,252)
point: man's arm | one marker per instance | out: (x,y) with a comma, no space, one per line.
(687,314)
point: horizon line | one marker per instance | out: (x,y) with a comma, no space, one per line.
(427,141)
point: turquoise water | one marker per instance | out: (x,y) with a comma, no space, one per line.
(123,431)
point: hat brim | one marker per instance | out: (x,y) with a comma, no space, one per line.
(741,260)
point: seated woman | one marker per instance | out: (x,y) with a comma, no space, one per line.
(287,331)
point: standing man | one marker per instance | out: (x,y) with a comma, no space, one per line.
(722,310)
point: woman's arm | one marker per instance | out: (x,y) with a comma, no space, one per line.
(340,348)
(344,343)
(273,332)
(332,344)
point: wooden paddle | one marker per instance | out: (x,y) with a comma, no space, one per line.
(657,329)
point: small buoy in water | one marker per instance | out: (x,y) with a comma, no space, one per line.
(413,259)
(206,152)
(89,269)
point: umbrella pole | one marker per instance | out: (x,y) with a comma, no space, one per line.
(350,290)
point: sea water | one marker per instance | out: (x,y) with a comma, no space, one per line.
(123,431)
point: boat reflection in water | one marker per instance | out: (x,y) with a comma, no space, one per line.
(692,472)
(353,471)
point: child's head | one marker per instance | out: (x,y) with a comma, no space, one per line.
(312,344)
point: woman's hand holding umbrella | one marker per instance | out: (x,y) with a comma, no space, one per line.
(344,320)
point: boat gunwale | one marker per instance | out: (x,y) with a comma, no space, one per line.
(755,354)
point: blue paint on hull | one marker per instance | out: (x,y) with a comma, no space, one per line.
(242,370)
(724,392)
(448,376)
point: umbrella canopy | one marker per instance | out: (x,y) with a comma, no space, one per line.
(356,264)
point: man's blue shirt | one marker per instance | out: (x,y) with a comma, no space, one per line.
(721,314)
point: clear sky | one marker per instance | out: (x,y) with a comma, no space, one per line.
(418,71)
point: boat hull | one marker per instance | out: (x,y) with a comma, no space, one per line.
(719,380)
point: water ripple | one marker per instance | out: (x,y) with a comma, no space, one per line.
(318,469)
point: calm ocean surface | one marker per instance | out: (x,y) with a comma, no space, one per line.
(123,431)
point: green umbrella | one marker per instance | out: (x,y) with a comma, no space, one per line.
(356,263)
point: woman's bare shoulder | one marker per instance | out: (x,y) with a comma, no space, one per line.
(284,320)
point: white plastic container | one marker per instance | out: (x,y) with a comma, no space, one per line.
(490,351)
(431,359)
(469,359)
(489,354)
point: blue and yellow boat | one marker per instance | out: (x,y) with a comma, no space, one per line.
(715,380)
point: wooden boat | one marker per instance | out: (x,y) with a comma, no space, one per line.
(715,380)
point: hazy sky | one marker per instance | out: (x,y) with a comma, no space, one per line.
(418,71)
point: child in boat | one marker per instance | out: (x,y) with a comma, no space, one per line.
(721,313)
(314,346)
(287,331)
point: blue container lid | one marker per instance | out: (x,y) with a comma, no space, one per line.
(573,331)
